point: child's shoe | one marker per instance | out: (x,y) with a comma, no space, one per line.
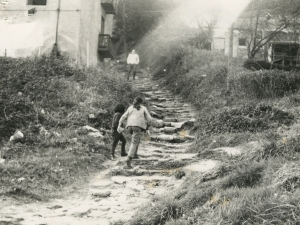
(123,154)
(128,162)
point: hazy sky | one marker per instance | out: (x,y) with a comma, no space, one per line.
(226,11)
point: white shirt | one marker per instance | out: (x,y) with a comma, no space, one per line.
(133,59)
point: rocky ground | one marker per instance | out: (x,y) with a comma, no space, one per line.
(116,193)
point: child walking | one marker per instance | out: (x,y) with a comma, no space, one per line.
(138,120)
(119,111)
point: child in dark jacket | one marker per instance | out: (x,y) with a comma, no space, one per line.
(119,111)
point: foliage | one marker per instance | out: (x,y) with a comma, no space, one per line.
(198,75)
(267,84)
(162,210)
(260,185)
(49,101)
(41,92)
(245,176)
(272,15)
(242,195)
(252,118)
(264,65)
(140,17)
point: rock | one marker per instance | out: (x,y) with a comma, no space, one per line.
(74,140)
(20,179)
(102,183)
(55,207)
(177,125)
(135,186)
(81,211)
(202,166)
(89,128)
(169,129)
(158,123)
(96,134)
(167,124)
(2,161)
(92,116)
(162,99)
(101,194)
(43,131)
(17,136)
(56,134)
(156,115)
(171,120)
(118,180)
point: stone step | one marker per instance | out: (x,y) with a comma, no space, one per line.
(170,138)
(122,170)
(170,120)
(168,130)
(124,179)
(164,145)
(156,115)
(171,156)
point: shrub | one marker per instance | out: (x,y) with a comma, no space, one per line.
(245,176)
(49,100)
(267,84)
(198,75)
(250,117)
(159,212)
(65,94)
(264,65)
(287,147)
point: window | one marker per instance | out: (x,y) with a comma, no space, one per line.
(37,2)
(242,41)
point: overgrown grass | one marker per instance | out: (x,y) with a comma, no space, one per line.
(49,101)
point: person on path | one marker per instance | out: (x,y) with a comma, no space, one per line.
(132,60)
(138,121)
(118,136)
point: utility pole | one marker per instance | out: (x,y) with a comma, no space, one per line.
(124,27)
(55,48)
(230,54)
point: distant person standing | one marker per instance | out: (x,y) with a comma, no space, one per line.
(132,60)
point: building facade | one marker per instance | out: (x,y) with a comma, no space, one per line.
(79,29)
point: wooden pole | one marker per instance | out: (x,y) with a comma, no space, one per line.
(124,27)
(230,54)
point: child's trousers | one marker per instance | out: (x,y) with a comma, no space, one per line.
(116,138)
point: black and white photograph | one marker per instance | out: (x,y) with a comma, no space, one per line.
(149,112)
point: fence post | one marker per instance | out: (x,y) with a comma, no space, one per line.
(230,53)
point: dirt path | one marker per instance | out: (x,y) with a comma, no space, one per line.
(115,193)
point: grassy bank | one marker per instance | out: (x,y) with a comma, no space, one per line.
(50,101)
(259,117)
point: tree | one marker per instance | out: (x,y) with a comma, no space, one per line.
(265,20)
(204,33)
(135,18)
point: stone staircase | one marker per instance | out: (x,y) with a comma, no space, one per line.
(116,193)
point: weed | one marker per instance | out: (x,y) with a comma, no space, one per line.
(244,175)
(179,174)
(49,100)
